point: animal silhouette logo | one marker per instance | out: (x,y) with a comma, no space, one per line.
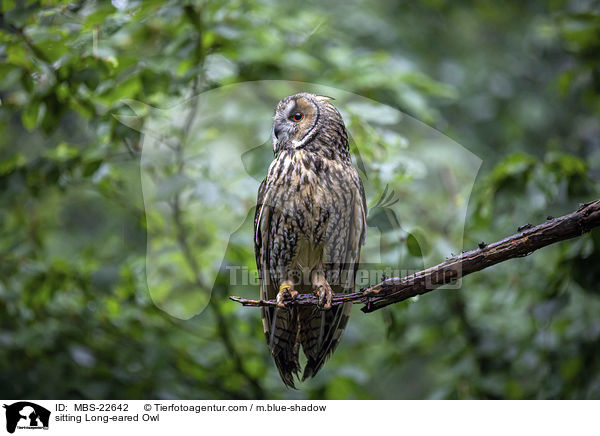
(26,415)
(202,161)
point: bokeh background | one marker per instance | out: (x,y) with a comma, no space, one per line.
(515,84)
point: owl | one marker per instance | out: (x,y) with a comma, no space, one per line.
(309,227)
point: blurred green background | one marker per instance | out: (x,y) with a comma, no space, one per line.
(516,83)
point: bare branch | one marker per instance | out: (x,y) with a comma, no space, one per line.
(528,240)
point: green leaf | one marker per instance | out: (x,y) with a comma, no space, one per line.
(15,161)
(63,152)
(7,5)
(32,115)
(17,55)
(98,17)
(414,249)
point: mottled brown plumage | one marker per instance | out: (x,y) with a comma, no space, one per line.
(309,226)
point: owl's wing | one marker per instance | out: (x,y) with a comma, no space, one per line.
(322,330)
(280,326)
(258,237)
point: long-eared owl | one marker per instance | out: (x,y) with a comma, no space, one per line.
(309,226)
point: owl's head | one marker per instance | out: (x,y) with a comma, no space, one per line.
(302,118)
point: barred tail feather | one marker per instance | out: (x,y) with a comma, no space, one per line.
(320,334)
(281,331)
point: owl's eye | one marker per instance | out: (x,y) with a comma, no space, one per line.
(297,116)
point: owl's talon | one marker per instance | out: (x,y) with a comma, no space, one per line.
(322,290)
(325,296)
(286,292)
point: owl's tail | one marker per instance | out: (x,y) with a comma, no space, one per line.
(320,332)
(281,332)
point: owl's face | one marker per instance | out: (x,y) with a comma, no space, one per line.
(298,119)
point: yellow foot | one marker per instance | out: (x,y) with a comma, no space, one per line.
(322,290)
(285,292)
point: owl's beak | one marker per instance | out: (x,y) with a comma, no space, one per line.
(277,130)
(281,131)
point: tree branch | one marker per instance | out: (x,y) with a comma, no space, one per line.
(528,240)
